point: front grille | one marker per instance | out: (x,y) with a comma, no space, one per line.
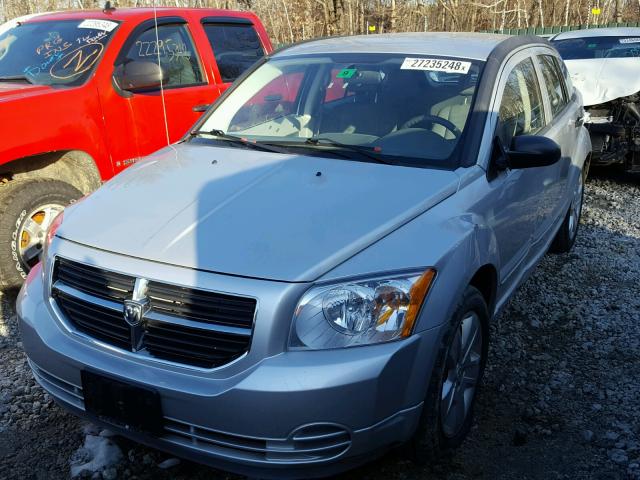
(183,325)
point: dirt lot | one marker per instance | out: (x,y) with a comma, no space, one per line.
(560,397)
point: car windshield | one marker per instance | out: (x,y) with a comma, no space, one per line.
(598,47)
(53,52)
(406,109)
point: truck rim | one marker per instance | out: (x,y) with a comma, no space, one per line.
(461,375)
(32,232)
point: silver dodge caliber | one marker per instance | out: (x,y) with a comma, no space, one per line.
(308,277)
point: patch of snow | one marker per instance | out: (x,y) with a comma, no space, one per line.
(96,454)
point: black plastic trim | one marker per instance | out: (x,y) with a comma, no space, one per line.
(227,20)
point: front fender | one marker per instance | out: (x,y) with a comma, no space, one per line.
(457,247)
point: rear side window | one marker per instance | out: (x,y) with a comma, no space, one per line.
(554,83)
(235,46)
(521,107)
(175,49)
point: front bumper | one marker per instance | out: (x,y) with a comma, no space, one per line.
(293,414)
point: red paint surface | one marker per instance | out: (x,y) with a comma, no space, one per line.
(93,117)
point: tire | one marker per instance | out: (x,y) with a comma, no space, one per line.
(435,438)
(566,236)
(27,206)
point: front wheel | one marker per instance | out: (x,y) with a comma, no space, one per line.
(448,409)
(27,208)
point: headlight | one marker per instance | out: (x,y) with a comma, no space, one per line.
(361,312)
(51,232)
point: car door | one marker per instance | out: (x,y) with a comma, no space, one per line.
(162,115)
(236,46)
(517,195)
(563,127)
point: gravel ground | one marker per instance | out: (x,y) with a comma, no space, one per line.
(560,397)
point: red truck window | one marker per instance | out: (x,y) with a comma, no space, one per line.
(177,54)
(235,46)
(61,52)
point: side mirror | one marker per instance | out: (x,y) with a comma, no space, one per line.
(139,75)
(528,151)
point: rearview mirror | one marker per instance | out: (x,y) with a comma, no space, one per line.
(139,75)
(528,151)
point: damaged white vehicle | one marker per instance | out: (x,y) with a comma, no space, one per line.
(604,65)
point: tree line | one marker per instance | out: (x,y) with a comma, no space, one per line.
(289,21)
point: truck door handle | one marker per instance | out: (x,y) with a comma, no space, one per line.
(201,108)
(579,121)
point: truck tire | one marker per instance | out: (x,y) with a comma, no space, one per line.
(454,381)
(27,208)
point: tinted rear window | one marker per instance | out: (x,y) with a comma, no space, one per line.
(598,47)
(236,48)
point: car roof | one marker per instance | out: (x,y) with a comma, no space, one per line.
(128,14)
(475,46)
(599,32)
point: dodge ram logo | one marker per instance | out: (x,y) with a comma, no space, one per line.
(133,311)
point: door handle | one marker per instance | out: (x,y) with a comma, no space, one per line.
(579,121)
(201,108)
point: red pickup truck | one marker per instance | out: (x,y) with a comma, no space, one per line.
(84,94)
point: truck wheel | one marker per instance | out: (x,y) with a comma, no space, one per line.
(27,208)
(566,236)
(447,413)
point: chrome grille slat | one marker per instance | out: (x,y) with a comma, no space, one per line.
(332,444)
(184,325)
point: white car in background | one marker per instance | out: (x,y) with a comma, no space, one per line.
(604,65)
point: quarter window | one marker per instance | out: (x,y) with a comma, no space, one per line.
(235,46)
(554,83)
(174,48)
(521,109)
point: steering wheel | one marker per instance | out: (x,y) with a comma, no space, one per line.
(430,119)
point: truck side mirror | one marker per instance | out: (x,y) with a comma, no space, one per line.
(139,75)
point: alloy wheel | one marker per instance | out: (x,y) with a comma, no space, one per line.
(32,233)
(576,208)
(462,372)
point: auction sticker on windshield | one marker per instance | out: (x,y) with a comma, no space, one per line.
(435,65)
(105,25)
(630,40)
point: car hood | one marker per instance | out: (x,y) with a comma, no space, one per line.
(250,213)
(601,80)
(17,90)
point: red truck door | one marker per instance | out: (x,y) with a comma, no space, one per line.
(236,46)
(186,89)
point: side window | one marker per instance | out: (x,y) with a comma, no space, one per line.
(236,47)
(521,109)
(175,49)
(554,83)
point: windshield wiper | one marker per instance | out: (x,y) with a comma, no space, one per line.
(238,140)
(16,78)
(368,152)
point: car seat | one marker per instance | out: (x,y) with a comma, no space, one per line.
(455,109)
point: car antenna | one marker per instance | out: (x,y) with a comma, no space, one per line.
(164,106)
(108,8)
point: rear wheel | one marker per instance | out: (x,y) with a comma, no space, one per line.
(27,208)
(448,409)
(566,236)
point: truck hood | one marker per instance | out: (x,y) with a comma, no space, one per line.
(601,80)
(14,91)
(249,213)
